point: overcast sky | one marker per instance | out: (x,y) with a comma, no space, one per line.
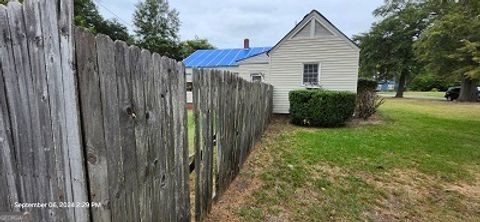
(225,23)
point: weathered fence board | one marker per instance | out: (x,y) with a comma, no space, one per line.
(180,169)
(41,149)
(94,139)
(203,142)
(111,123)
(77,173)
(160,157)
(53,66)
(40,118)
(230,115)
(9,168)
(127,129)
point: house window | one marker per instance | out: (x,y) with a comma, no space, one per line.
(256,77)
(310,74)
(189,86)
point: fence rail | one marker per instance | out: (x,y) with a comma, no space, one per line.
(230,115)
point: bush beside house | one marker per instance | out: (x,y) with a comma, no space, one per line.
(367,99)
(368,103)
(321,108)
(366,85)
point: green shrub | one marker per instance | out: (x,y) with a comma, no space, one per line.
(321,107)
(427,82)
(367,104)
(367,99)
(367,85)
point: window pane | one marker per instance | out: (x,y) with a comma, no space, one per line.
(310,74)
(256,77)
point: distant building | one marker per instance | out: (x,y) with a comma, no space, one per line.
(313,54)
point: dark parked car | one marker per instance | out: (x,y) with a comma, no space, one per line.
(454,92)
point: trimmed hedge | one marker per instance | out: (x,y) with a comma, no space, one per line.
(321,107)
(366,85)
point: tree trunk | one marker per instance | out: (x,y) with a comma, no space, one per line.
(401,84)
(468,91)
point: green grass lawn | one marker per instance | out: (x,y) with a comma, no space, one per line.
(420,162)
(415,94)
(191,132)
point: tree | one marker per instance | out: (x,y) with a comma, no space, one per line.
(190,46)
(387,50)
(4,2)
(374,62)
(450,47)
(87,16)
(156,27)
(115,30)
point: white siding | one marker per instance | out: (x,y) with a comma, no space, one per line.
(189,97)
(338,66)
(261,58)
(246,69)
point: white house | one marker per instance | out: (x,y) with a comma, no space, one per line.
(313,54)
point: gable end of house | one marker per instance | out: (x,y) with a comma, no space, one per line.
(314,25)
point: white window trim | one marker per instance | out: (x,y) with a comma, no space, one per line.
(252,74)
(318,78)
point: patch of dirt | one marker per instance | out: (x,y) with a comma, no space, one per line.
(332,171)
(466,189)
(411,195)
(358,122)
(248,181)
(239,193)
(411,182)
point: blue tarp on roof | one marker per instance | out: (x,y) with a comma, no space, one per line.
(212,58)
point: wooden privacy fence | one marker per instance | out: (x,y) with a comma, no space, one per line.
(135,131)
(105,143)
(230,115)
(95,130)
